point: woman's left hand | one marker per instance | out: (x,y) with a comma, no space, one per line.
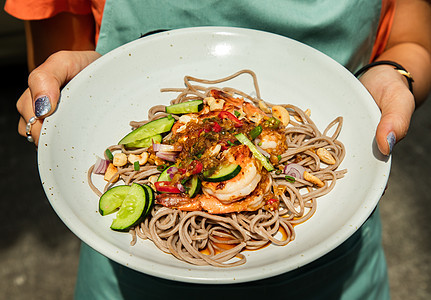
(391,92)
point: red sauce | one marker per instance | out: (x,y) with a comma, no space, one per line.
(225,246)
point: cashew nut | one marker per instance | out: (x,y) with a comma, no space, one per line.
(281,113)
(110,172)
(325,156)
(142,158)
(313,179)
(214,104)
(119,160)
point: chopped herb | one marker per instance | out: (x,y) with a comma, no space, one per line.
(136,166)
(272,123)
(109,155)
(237,113)
(161,168)
(230,143)
(279,157)
(277,172)
(291,179)
(255,132)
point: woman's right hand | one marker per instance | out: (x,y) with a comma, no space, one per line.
(44,84)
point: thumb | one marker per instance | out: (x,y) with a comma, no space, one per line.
(397,104)
(395,119)
(46,81)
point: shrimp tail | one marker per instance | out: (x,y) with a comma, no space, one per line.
(178,201)
(172,200)
(217,94)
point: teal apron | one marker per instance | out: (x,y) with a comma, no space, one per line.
(344,30)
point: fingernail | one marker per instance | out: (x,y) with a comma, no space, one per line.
(391,141)
(42,106)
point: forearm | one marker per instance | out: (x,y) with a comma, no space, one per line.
(417,61)
(410,44)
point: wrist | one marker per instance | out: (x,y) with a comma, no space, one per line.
(397,67)
(385,84)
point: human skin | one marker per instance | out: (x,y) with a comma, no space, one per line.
(409,45)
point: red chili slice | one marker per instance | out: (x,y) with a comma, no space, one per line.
(272,204)
(223,146)
(196,167)
(216,127)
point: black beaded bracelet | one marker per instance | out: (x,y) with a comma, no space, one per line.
(397,66)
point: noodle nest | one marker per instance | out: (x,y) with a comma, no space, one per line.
(200,238)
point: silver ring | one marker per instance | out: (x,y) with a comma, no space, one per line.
(28,129)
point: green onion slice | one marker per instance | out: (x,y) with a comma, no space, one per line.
(291,179)
(109,155)
(255,132)
(245,141)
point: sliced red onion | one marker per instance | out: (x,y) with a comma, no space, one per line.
(100,166)
(294,170)
(155,145)
(165,147)
(181,187)
(256,143)
(169,156)
(171,171)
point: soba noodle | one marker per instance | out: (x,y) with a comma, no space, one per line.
(200,238)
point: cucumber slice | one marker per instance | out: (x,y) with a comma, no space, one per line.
(223,173)
(147,130)
(194,186)
(164,176)
(132,210)
(245,141)
(150,199)
(146,142)
(192,106)
(112,199)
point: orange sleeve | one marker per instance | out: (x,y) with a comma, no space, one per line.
(386,18)
(44,9)
(97,7)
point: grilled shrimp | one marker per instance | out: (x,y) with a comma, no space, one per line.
(212,205)
(242,184)
(271,140)
(253,113)
(179,201)
(246,109)
(180,125)
(252,202)
(217,94)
